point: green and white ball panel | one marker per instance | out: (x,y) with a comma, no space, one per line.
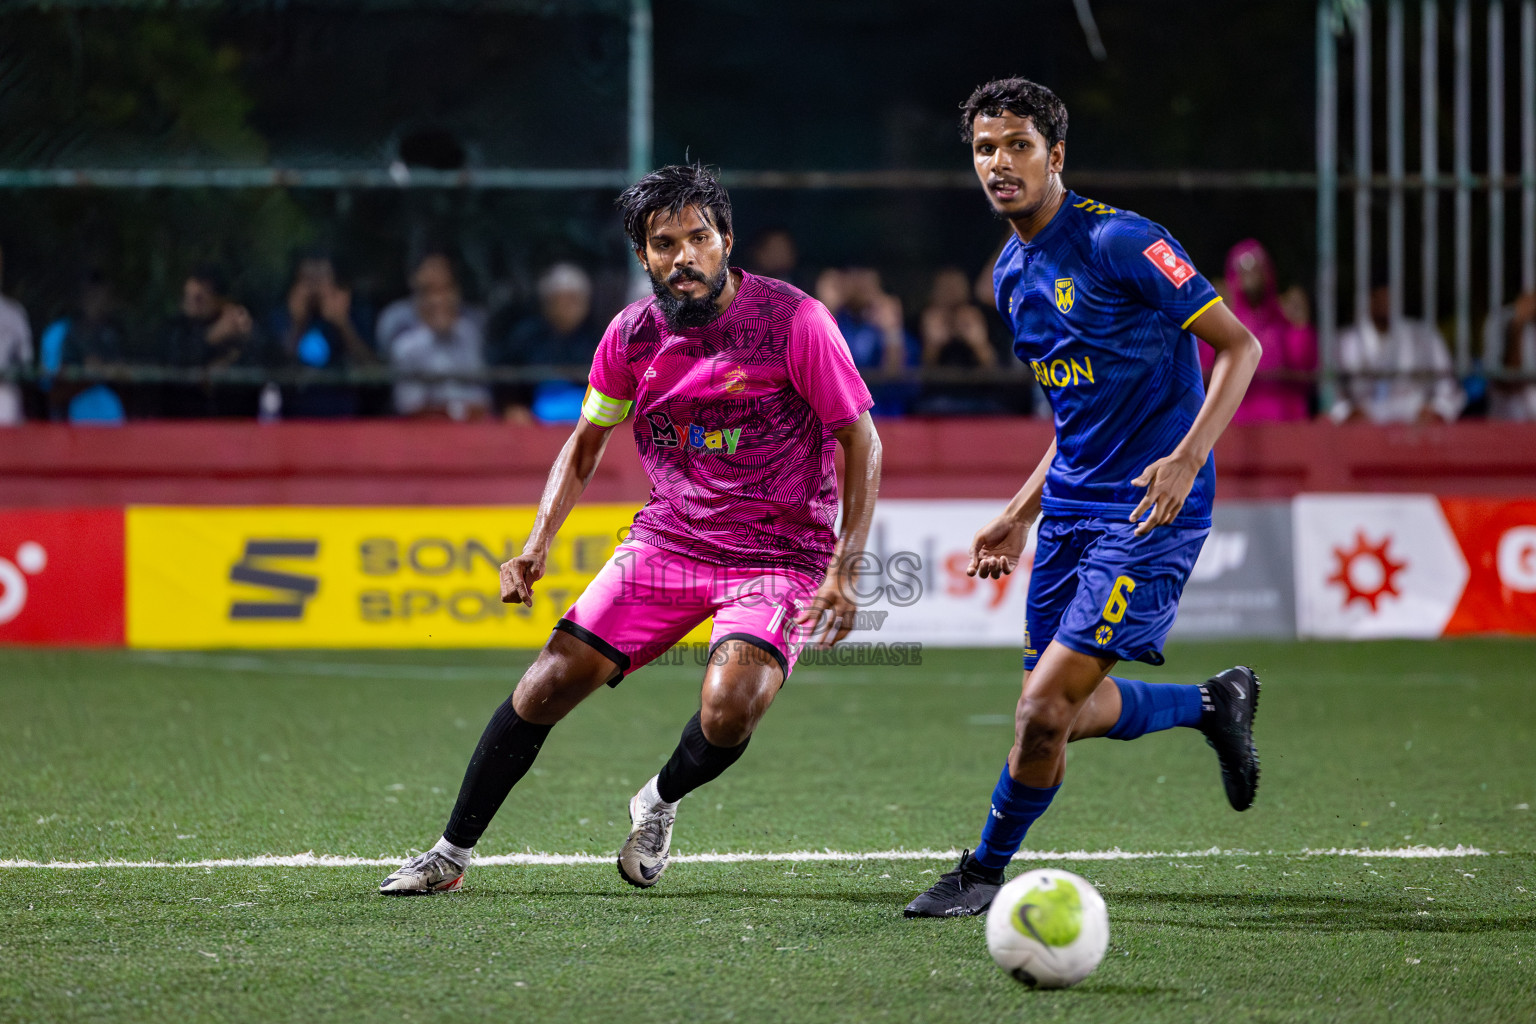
(1048,928)
(1051,912)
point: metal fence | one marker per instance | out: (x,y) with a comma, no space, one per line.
(1346,30)
(1337,19)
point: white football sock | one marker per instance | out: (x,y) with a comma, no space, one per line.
(458,854)
(652,796)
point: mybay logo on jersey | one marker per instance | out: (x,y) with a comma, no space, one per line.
(714,440)
(665,434)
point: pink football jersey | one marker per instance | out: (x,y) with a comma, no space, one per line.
(734,424)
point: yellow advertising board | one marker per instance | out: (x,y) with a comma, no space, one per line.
(350,577)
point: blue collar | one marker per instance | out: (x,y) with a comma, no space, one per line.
(1069,198)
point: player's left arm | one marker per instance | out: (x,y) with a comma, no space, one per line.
(821,370)
(832,612)
(1168,480)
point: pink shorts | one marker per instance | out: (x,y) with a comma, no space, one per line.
(645,600)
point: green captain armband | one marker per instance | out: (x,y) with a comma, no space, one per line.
(603,411)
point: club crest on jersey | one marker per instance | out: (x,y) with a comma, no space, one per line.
(1065,293)
(1162,256)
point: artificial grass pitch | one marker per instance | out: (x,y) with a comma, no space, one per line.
(188,757)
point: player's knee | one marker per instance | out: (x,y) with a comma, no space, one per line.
(538,697)
(1041,727)
(726,723)
(554,684)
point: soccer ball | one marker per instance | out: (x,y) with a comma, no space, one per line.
(1048,928)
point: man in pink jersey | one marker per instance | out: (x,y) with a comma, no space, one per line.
(742,390)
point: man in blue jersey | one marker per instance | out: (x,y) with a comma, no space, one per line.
(1105,308)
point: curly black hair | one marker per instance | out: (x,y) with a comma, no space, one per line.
(1018,96)
(673,189)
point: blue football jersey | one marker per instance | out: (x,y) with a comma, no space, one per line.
(1100,304)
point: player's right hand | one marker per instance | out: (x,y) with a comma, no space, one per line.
(997,548)
(518,577)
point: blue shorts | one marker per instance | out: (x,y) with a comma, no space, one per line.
(1098,589)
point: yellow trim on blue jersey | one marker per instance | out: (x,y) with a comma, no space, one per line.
(602,411)
(1185,325)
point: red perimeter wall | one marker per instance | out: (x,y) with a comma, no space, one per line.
(411,463)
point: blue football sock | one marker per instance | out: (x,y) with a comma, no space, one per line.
(1015,807)
(1147,707)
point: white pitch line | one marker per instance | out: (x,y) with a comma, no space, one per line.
(342,669)
(263,665)
(313,860)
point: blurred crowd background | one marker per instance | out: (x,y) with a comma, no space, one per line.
(332,294)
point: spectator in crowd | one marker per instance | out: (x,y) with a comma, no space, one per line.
(444,342)
(871,319)
(15,350)
(984,288)
(210,332)
(1026,396)
(953,330)
(319,326)
(434,269)
(561,333)
(774,254)
(954,333)
(91,338)
(871,322)
(1509,342)
(1395,372)
(1282,323)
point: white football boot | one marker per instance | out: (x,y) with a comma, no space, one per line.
(644,855)
(424,873)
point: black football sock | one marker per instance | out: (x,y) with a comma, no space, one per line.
(503,756)
(695,762)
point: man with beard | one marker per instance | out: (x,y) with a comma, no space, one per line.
(743,390)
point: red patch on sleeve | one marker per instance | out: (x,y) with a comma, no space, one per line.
(1165,259)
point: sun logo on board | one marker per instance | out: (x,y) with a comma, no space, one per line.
(1367,572)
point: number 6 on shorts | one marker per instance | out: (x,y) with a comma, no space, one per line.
(1114,608)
